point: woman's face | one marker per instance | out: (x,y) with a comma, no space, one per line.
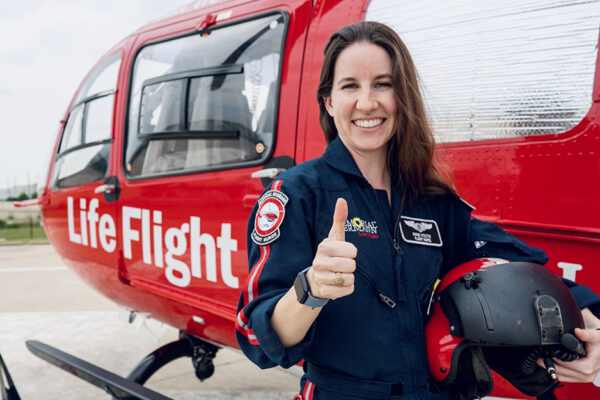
(362,102)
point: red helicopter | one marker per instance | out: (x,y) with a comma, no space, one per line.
(175,132)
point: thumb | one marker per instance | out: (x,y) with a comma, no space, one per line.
(339,219)
(587,335)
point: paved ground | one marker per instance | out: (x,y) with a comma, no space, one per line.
(41,299)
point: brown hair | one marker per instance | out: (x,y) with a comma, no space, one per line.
(411,151)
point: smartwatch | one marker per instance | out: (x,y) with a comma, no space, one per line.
(303,291)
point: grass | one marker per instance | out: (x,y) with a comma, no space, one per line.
(26,232)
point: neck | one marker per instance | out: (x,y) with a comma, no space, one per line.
(374,169)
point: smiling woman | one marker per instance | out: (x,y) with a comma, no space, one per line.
(369,227)
(362,102)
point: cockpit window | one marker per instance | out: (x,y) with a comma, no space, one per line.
(205,101)
(84,148)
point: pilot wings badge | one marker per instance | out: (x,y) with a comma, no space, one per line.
(419,226)
(420,231)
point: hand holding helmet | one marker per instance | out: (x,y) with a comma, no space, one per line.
(585,369)
(503,318)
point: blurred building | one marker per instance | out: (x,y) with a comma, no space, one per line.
(9,213)
(16,190)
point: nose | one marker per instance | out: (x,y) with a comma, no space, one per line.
(366,100)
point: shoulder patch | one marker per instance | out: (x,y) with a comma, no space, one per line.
(420,231)
(270,214)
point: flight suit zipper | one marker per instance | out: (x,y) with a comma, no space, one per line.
(385,299)
(396,228)
(380,207)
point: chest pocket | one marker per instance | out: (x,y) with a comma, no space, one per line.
(421,242)
(421,266)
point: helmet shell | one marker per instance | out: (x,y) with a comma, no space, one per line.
(493,302)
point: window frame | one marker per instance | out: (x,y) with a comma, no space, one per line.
(244,164)
(187,77)
(108,141)
(84,102)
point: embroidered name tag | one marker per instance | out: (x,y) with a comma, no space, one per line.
(420,231)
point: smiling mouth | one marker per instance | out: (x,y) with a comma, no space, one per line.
(368,123)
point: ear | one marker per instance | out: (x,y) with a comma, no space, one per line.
(328,105)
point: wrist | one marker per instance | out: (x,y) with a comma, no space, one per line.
(310,281)
(303,293)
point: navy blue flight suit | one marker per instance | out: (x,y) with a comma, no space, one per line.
(370,344)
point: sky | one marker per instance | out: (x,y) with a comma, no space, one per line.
(47,48)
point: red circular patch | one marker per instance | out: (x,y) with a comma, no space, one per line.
(269,216)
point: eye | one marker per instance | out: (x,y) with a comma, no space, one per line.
(383,84)
(349,86)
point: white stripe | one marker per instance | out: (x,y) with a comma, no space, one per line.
(308,388)
(251,281)
(33,269)
(498,398)
(241,323)
(245,327)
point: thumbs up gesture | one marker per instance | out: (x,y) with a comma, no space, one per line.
(332,272)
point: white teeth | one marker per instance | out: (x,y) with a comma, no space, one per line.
(368,123)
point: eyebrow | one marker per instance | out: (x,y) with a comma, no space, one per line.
(350,79)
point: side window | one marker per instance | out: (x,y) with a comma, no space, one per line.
(489,72)
(205,101)
(84,149)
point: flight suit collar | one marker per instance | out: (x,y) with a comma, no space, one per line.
(338,157)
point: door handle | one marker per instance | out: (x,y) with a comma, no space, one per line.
(110,189)
(269,173)
(106,188)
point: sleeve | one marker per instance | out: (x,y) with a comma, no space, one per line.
(495,242)
(585,297)
(486,239)
(489,240)
(280,244)
(471,238)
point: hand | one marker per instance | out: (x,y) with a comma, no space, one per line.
(587,368)
(334,255)
(584,369)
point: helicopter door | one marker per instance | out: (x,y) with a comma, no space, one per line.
(203,116)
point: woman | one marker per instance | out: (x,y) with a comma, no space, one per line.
(345,249)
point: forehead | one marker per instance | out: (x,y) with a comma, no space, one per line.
(360,59)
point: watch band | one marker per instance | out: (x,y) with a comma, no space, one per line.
(303,291)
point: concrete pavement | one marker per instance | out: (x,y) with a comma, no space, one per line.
(41,299)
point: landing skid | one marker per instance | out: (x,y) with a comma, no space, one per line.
(8,391)
(201,352)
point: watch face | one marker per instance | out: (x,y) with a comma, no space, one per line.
(301,294)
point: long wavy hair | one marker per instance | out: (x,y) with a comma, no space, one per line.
(411,151)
